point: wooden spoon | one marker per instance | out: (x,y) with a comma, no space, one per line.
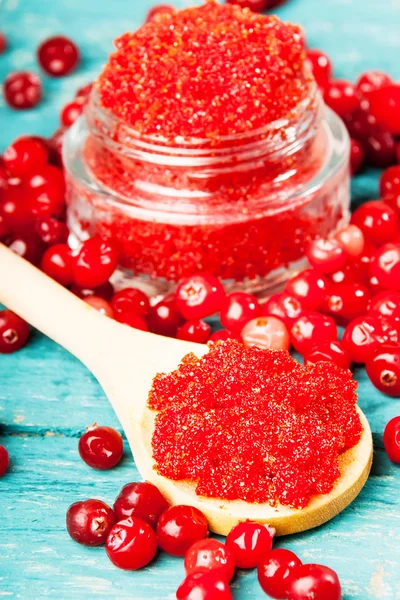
(125,360)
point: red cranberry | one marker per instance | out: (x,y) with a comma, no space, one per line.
(23,156)
(370,81)
(199,296)
(386,267)
(274,572)
(393,200)
(160,9)
(132,320)
(357,156)
(105,291)
(101,447)
(3,227)
(321,67)
(131,300)
(387,305)
(164,317)
(142,500)
(341,97)
(58,56)
(254,5)
(58,263)
(3,179)
(3,43)
(204,586)
(210,555)
(380,148)
(46,187)
(28,245)
(179,527)
(385,107)
(366,333)
(89,522)
(309,287)
(238,309)
(328,352)
(70,112)
(352,240)
(51,231)
(313,581)
(224,334)
(383,369)
(14,332)
(312,329)
(390,181)
(101,305)
(360,266)
(15,208)
(55,143)
(377,221)
(249,542)
(326,255)
(346,301)
(95,263)
(131,544)
(194,331)
(348,274)
(283,306)
(391,439)
(4,461)
(22,90)
(266,333)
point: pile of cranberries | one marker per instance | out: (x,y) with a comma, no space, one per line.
(142,521)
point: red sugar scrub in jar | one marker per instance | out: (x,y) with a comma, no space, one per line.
(206,146)
(255,425)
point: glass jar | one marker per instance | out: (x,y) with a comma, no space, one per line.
(242,207)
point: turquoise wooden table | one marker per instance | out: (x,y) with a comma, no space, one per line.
(47,398)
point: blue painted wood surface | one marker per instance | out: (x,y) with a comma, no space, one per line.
(47,398)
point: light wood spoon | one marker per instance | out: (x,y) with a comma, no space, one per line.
(125,360)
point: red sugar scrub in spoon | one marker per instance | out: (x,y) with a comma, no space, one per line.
(255,425)
(205,135)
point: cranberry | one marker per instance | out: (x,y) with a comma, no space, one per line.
(46,187)
(386,267)
(387,305)
(70,112)
(383,369)
(321,67)
(160,9)
(24,155)
(55,143)
(328,352)
(58,263)
(58,56)
(131,544)
(341,97)
(360,266)
(377,221)
(164,317)
(194,331)
(312,329)
(391,439)
(390,181)
(199,296)
(101,447)
(249,542)
(210,555)
(105,291)
(346,301)
(366,333)
(131,300)
(309,287)
(101,305)
(89,522)
(28,245)
(266,333)
(179,527)
(283,306)
(14,332)
(352,240)
(238,309)
(95,263)
(326,255)
(3,42)
(380,148)
(204,586)
(370,81)
(4,461)
(3,227)
(357,156)
(254,5)
(393,200)
(3,179)
(313,581)
(274,572)
(385,107)
(15,208)
(142,500)
(22,90)
(223,335)
(52,231)
(131,320)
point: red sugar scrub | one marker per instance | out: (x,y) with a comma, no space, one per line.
(254,424)
(204,136)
